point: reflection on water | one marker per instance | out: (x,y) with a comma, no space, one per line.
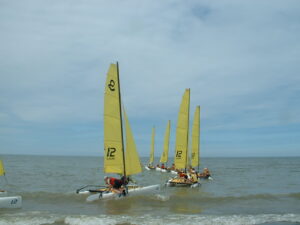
(118,206)
(185,200)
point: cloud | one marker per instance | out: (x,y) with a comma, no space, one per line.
(240,60)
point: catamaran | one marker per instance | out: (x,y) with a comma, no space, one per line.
(181,145)
(118,158)
(151,159)
(195,150)
(8,201)
(164,156)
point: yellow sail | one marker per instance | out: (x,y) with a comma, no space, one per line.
(164,156)
(133,164)
(152,147)
(196,138)
(182,132)
(2,171)
(113,143)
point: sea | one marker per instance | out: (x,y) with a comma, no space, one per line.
(243,191)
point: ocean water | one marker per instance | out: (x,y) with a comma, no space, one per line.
(243,191)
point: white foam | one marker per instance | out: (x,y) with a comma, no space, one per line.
(29,218)
(90,220)
(183,219)
(162,197)
(39,218)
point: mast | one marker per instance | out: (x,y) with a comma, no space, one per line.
(199,143)
(187,137)
(120,102)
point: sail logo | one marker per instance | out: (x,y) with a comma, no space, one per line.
(111,85)
(178,154)
(110,155)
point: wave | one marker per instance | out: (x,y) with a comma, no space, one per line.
(71,196)
(43,218)
(50,196)
(209,198)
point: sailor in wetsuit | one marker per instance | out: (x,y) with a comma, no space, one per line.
(114,183)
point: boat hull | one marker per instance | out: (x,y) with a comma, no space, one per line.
(174,172)
(149,168)
(11,202)
(132,191)
(181,183)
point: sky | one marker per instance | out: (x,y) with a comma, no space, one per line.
(239,58)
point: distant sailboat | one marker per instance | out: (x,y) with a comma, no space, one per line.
(2,170)
(8,201)
(150,165)
(182,145)
(195,153)
(118,158)
(165,153)
(195,149)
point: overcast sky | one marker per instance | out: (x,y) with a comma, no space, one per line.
(241,60)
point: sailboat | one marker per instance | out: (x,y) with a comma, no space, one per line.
(182,145)
(195,150)
(151,159)
(8,201)
(118,158)
(164,156)
(195,153)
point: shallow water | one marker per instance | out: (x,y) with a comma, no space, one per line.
(243,191)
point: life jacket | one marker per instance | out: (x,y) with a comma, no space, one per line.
(182,174)
(113,181)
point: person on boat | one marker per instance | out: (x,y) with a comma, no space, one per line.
(162,166)
(191,169)
(126,180)
(205,174)
(157,166)
(183,175)
(193,177)
(173,167)
(150,166)
(114,183)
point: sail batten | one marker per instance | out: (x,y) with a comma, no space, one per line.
(182,132)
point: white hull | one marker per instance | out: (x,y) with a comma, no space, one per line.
(131,192)
(11,202)
(147,168)
(3,193)
(84,192)
(173,172)
(160,170)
